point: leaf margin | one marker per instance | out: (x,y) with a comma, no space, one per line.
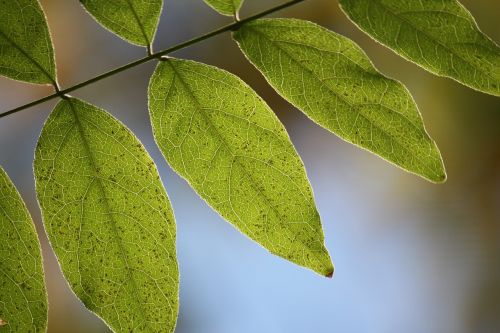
(329,269)
(426,67)
(148,40)
(220,10)
(51,242)
(29,226)
(51,73)
(441,174)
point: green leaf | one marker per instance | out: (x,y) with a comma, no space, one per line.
(23,299)
(441,36)
(219,135)
(226,7)
(331,80)
(133,20)
(108,218)
(25,47)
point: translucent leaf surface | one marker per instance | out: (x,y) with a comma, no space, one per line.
(225,7)
(108,218)
(23,300)
(25,47)
(133,20)
(330,79)
(227,143)
(441,36)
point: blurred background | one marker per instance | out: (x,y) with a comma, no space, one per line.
(410,256)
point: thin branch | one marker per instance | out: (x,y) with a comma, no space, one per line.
(230,27)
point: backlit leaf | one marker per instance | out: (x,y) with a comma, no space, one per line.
(23,299)
(441,36)
(331,80)
(225,7)
(219,135)
(108,218)
(25,47)
(133,20)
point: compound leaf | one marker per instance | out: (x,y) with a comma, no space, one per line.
(331,80)
(133,20)
(225,7)
(23,299)
(441,36)
(219,135)
(26,52)
(108,218)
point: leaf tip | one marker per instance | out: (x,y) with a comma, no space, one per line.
(440,177)
(2,322)
(328,268)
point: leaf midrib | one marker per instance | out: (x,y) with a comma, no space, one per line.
(233,3)
(235,158)
(352,106)
(93,164)
(452,51)
(139,23)
(340,97)
(8,275)
(220,136)
(24,53)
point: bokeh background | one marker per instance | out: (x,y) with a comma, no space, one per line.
(410,256)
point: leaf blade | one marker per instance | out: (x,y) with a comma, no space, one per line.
(132,20)
(26,52)
(246,177)
(331,80)
(442,38)
(108,218)
(23,306)
(225,7)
